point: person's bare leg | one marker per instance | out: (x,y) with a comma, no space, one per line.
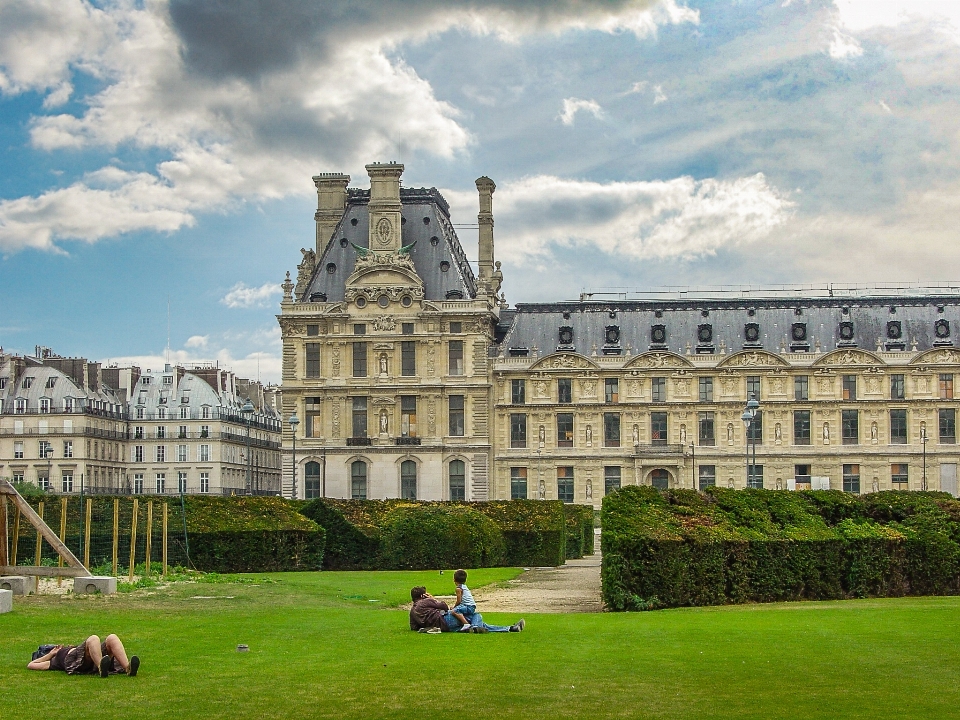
(115,648)
(92,648)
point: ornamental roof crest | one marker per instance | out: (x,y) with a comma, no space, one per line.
(938,356)
(845,356)
(565,361)
(753,358)
(655,360)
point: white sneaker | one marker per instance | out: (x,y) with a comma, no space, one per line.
(465,628)
(434,631)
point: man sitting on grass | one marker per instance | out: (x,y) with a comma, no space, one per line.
(430,615)
(106,658)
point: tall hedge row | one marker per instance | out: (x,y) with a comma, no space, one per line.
(407,534)
(579,522)
(681,547)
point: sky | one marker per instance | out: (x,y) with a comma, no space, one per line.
(155,179)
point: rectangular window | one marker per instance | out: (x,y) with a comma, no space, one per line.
(138,433)
(801,387)
(564,429)
(359,417)
(161,431)
(518,392)
(161,453)
(45,405)
(18,450)
(611,429)
(658,428)
(182,433)
(457,422)
(66,482)
(204,482)
(801,477)
(707,476)
(753,386)
(313,330)
(851,478)
(138,483)
(755,431)
(456,328)
(43,482)
(900,476)
(313,360)
(68,405)
(455,351)
(358,481)
(408,358)
(565,484)
(359,359)
(801,427)
(184,411)
(408,416)
(360,329)
(161,483)
(706,389)
(204,455)
(138,453)
(406,328)
(611,479)
(658,387)
(17,477)
(518,430)
(181,482)
(849,387)
(518,483)
(898,427)
(896,387)
(611,390)
(850,427)
(458,480)
(565,391)
(311,407)
(946,386)
(948,426)
(181,453)
(706,434)
(21,406)
(755,476)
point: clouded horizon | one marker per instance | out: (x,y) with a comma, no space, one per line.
(159,154)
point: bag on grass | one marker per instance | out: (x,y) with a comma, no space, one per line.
(41,651)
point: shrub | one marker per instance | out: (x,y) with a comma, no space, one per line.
(348,546)
(579,530)
(434,536)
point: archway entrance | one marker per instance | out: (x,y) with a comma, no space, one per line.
(660,479)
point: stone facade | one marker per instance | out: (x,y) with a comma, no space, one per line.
(412,378)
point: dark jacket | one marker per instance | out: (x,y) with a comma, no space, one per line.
(428,612)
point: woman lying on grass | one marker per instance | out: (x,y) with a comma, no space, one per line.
(107,658)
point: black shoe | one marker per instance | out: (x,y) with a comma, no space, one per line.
(134,666)
(519,626)
(478,629)
(106,665)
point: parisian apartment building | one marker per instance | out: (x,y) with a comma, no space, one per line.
(69,425)
(411,377)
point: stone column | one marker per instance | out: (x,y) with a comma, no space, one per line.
(331,202)
(486,187)
(384,207)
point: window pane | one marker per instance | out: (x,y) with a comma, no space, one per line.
(518,483)
(611,429)
(707,476)
(359,417)
(850,427)
(705,428)
(408,358)
(851,478)
(611,390)
(755,476)
(313,360)
(898,427)
(948,425)
(565,430)
(660,479)
(849,387)
(801,427)
(706,389)
(456,357)
(753,386)
(408,416)
(564,390)
(658,428)
(565,484)
(518,430)
(518,392)
(359,359)
(896,387)
(311,480)
(611,479)
(801,387)
(458,484)
(358,480)
(946,386)
(456,415)
(408,480)
(658,387)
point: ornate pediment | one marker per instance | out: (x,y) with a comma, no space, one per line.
(753,358)
(937,356)
(656,360)
(564,361)
(382,273)
(849,357)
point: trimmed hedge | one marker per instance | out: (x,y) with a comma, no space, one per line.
(532,531)
(420,538)
(579,524)
(680,547)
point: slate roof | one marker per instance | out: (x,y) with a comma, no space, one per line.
(438,256)
(870,320)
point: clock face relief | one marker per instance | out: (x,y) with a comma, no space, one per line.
(384,230)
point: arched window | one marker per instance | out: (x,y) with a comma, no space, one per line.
(358,480)
(458,480)
(311,480)
(660,479)
(408,480)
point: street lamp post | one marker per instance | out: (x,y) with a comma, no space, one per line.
(247,411)
(693,472)
(48,453)
(294,421)
(749,415)
(923,445)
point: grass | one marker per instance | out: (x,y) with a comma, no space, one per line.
(333,645)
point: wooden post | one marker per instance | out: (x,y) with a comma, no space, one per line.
(3,530)
(149,535)
(63,534)
(133,536)
(86,534)
(116,532)
(16,536)
(39,536)
(164,539)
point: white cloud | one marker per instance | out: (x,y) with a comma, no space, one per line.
(242,108)
(680,218)
(571,106)
(196,341)
(859,15)
(659,95)
(241,296)
(843,46)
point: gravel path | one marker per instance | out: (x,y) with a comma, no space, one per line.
(571,588)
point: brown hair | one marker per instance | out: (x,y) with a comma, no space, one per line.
(417,593)
(460,577)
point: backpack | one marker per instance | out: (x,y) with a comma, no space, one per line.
(41,651)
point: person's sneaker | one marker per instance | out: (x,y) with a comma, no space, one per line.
(518,626)
(465,628)
(134,666)
(478,630)
(106,665)
(434,631)
(422,630)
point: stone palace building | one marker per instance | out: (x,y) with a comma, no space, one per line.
(411,377)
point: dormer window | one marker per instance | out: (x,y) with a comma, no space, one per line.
(565,336)
(27,382)
(705,338)
(145,380)
(845,331)
(45,405)
(751,335)
(168,380)
(51,381)
(68,404)
(941,329)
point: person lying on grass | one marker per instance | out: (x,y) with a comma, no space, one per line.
(430,615)
(106,658)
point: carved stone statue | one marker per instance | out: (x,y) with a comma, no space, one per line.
(874,432)
(777,433)
(384,422)
(826,433)
(589,490)
(730,433)
(543,436)
(383,363)
(589,435)
(636,434)
(683,434)
(305,270)
(542,490)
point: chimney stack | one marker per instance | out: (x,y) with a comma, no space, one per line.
(331,202)
(486,187)
(384,207)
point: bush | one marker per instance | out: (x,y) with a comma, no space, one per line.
(425,537)
(579,530)
(348,547)
(680,547)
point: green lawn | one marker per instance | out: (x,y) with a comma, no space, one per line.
(320,648)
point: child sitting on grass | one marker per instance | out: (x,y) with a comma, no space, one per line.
(466,606)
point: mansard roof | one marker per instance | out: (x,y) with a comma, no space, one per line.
(820,324)
(436,253)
